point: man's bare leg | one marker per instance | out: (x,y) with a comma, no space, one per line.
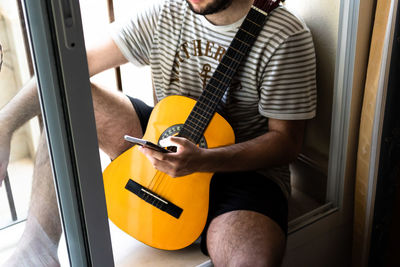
(38,244)
(115,117)
(245,238)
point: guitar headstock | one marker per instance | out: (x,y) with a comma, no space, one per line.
(266,5)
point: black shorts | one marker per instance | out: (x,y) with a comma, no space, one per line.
(231,191)
(142,110)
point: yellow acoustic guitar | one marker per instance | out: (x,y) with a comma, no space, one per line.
(159,210)
(165,212)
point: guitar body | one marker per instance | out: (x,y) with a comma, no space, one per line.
(158,210)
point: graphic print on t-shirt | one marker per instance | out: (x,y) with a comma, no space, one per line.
(205,74)
(189,53)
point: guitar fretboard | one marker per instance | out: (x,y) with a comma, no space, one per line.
(208,102)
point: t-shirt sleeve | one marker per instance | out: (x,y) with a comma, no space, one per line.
(134,37)
(288,89)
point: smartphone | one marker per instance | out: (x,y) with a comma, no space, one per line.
(145,143)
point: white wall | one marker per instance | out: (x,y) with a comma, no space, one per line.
(322,17)
(135,81)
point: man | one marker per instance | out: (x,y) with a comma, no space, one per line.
(267,104)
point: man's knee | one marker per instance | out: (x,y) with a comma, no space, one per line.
(245,261)
(220,256)
(244,238)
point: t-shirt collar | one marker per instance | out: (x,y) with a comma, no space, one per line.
(221,28)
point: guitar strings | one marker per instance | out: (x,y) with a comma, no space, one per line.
(160,177)
(155,180)
(211,98)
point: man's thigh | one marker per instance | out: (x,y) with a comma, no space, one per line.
(247,220)
(245,238)
(115,117)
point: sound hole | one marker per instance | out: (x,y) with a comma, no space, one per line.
(174,130)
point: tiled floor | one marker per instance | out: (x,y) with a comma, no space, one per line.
(20,173)
(127,251)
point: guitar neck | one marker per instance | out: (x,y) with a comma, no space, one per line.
(208,102)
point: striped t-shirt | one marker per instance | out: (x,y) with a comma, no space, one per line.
(276,80)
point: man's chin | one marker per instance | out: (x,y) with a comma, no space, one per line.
(211,8)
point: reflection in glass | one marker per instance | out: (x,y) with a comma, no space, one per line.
(30,228)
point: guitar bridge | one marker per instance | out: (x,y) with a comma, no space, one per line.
(153,199)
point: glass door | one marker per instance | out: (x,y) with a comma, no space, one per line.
(30,229)
(59,53)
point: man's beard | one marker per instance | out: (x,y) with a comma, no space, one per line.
(212,8)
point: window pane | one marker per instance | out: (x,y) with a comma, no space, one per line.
(30,229)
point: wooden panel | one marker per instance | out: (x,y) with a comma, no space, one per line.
(366,129)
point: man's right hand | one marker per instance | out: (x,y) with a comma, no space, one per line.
(5,141)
